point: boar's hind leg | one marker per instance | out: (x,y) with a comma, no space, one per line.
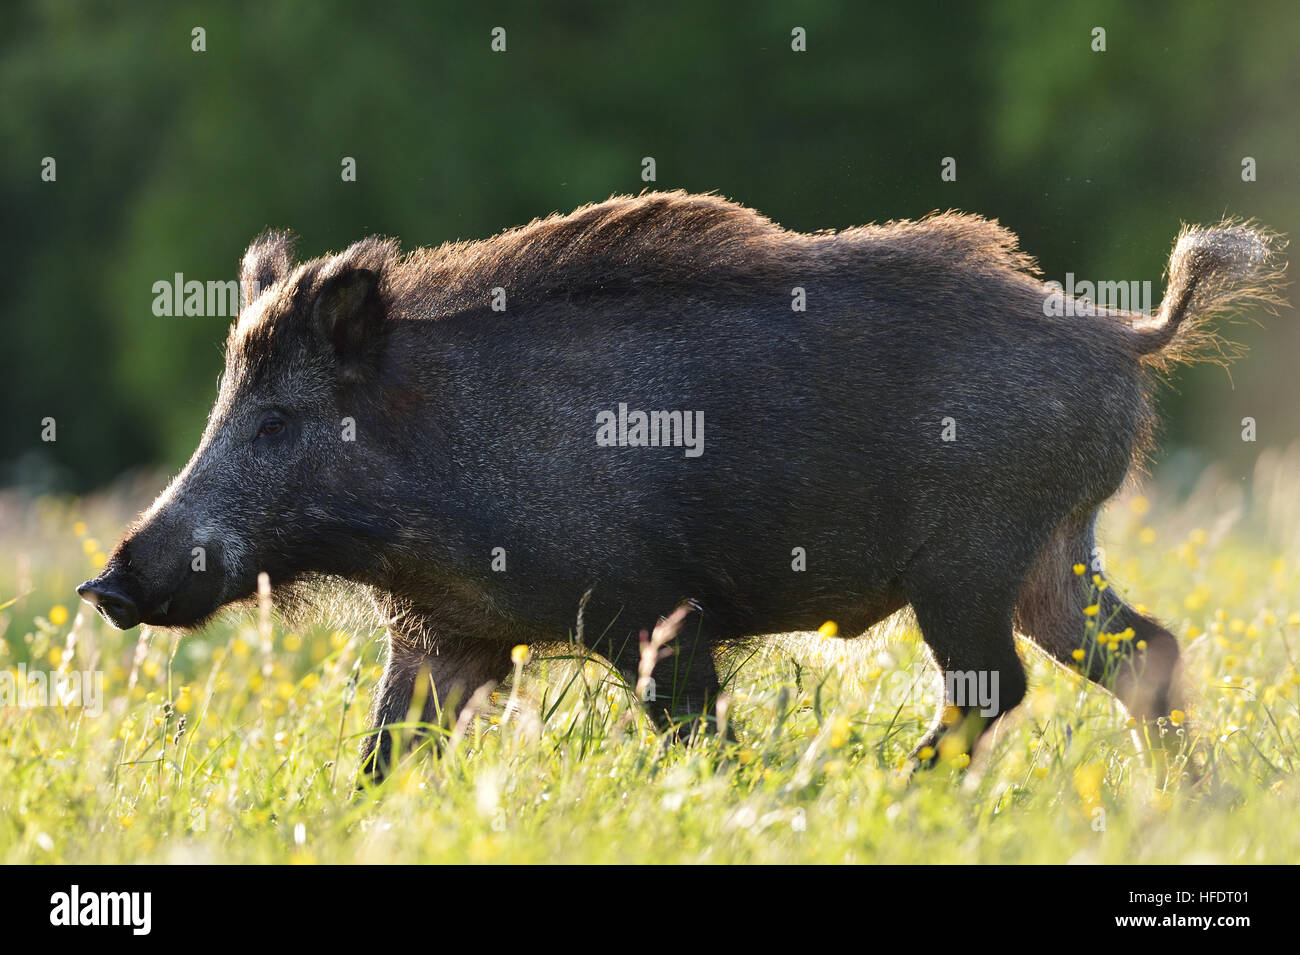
(439,680)
(967,625)
(1142,669)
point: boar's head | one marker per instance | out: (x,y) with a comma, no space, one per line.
(277,483)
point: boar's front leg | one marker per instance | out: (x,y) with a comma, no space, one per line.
(672,669)
(436,674)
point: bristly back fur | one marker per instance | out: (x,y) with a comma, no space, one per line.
(672,238)
(678,238)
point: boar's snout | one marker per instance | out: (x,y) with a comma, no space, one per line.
(106,594)
(149,579)
(125,598)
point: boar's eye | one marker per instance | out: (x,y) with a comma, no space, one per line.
(271,426)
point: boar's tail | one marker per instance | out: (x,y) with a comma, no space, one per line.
(1212,271)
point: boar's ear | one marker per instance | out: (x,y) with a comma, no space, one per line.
(350,315)
(268,260)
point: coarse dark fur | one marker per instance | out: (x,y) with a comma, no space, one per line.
(824,441)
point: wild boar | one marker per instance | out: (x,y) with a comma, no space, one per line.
(669,398)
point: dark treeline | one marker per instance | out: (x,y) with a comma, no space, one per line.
(169,160)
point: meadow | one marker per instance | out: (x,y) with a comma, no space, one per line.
(239,743)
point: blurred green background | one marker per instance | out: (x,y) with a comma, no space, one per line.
(169,160)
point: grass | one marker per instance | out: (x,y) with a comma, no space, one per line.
(238,744)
